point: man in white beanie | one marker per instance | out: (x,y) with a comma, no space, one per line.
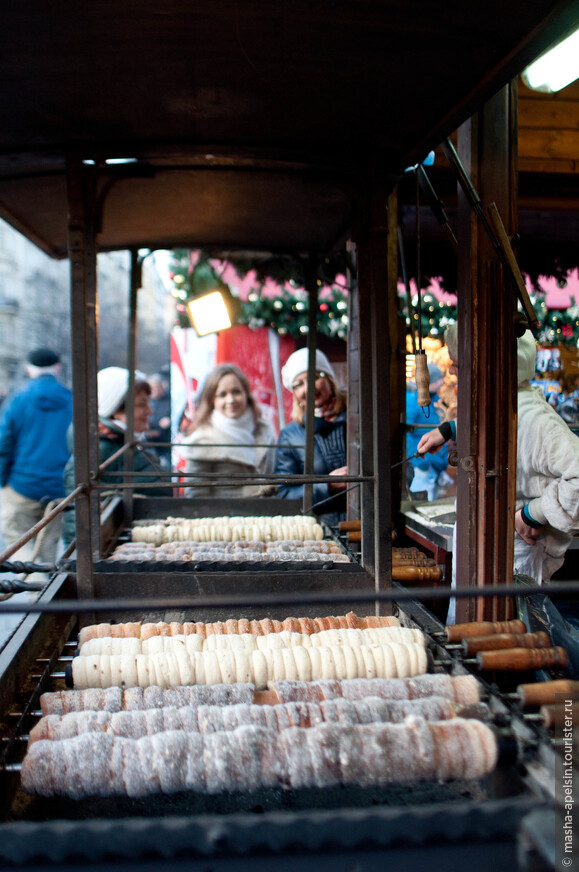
(33,453)
(330,446)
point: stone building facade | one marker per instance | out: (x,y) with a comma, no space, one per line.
(35,310)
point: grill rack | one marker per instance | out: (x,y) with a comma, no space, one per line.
(395,816)
(176,566)
(50,677)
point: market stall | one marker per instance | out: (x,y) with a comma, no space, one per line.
(222,126)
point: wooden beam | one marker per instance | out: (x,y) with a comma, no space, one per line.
(487,360)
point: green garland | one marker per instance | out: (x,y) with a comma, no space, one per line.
(286,313)
(557,326)
(435,316)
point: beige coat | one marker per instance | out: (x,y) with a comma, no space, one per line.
(209,452)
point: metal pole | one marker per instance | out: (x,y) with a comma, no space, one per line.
(366,401)
(129,458)
(395,594)
(383,233)
(312,289)
(81,184)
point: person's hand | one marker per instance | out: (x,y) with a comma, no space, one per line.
(528,534)
(431,442)
(339,485)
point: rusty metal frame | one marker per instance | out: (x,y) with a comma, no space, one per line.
(81,190)
(312,289)
(378,354)
(129,457)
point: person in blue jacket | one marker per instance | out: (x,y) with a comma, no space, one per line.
(428,468)
(330,446)
(33,454)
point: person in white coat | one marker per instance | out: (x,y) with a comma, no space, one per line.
(547,477)
(547,499)
(228,437)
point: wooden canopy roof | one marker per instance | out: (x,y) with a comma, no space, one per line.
(548,191)
(251,123)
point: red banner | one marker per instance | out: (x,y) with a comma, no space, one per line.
(260,354)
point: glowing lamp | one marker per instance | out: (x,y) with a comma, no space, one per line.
(555,68)
(212,307)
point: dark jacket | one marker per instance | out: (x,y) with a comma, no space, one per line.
(33,448)
(144,461)
(330,452)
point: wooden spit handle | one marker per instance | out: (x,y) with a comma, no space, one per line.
(458,632)
(505,640)
(543,692)
(422,379)
(416,573)
(520,659)
(355,536)
(348,526)
(556,715)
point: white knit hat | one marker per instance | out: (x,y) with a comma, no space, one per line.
(298,363)
(526,354)
(113,384)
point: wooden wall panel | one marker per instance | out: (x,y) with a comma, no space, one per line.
(549,130)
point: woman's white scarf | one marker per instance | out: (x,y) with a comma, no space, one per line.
(240,432)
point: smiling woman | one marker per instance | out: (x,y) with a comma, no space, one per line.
(227,437)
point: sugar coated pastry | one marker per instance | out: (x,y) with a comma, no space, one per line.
(251,757)
(114,699)
(461,689)
(135,723)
